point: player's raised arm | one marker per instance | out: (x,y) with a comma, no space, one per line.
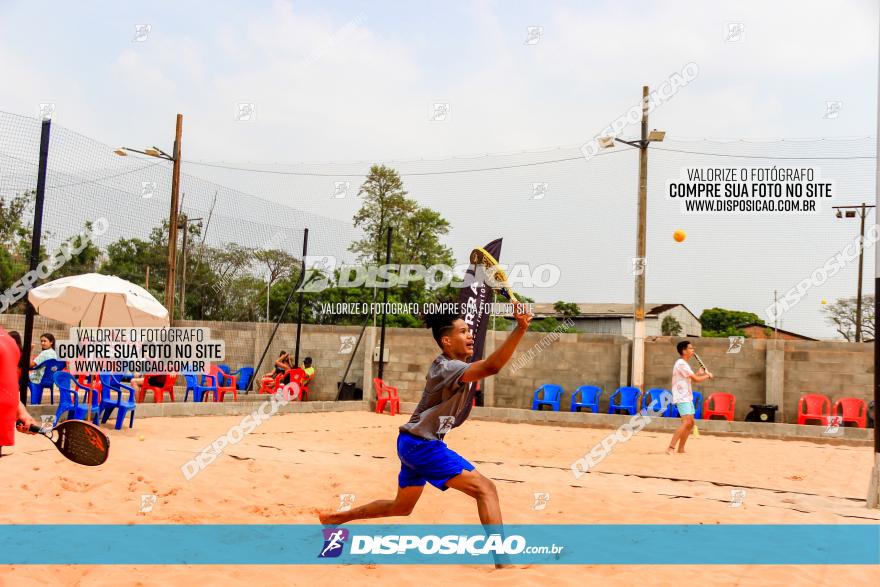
(494,362)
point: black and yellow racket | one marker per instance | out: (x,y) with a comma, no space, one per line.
(78,440)
(496,275)
(700,361)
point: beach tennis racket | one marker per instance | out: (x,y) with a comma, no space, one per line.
(703,365)
(480,256)
(79,441)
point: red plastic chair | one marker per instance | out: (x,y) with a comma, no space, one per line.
(273,384)
(852,409)
(814,406)
(305,385)
(385,394)
(158,391)
(222,386)
(720,404)
(299,377)
(269,384)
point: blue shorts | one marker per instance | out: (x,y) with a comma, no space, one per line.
(430,461)
(685,408)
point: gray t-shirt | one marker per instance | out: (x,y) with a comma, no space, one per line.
(446,401)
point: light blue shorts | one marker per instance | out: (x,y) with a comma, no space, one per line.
(685,409)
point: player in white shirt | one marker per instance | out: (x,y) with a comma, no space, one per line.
(682,394)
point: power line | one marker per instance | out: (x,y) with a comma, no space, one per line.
(447,172)
(780,157)
(520,165)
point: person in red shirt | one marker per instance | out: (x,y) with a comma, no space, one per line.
(11,408)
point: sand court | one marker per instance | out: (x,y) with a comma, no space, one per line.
(294,464)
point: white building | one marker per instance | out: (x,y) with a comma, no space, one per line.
(618,318)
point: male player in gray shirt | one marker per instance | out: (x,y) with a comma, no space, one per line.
(445,404)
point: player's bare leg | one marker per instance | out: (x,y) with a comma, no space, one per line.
(401,505)
(684,431)
(483,490)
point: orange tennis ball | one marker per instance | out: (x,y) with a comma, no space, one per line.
(679,235)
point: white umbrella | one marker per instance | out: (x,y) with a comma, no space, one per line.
(93,300)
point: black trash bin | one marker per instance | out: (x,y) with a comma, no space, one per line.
(349,392)
(762,413)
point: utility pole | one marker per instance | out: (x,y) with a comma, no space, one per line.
(638,375)
(640,264)
(172,220)
(850,212)
(873,500)
(861,264)
(175,205)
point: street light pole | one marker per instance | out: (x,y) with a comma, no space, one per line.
(637,378)
(861,264)
(850,212)
(172,221)
(873,500)
(175,204)
(638,365)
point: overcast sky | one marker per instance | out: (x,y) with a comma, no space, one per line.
(355,82)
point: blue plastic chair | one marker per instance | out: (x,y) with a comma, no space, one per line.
(245,374)
(589,398)
(199,389)
(47,381)
(551,395)
(110,385)
(698,407)
(627,399)
(68,398)
(653,398)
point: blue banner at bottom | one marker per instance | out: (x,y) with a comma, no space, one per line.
(624,544)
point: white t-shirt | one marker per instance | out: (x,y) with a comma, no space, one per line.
(681,382)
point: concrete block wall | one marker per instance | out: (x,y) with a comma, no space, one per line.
(743,374)
(833,369)
(411,352)
(571,360)
(245,343)
(757,374)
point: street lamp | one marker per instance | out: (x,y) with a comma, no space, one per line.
(172,222)
(638,357)
(850,212)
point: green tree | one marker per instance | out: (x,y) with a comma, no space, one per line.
(385,204)
(15,238)
(670,326)
(719,322)
(85,261)
(567,308)
(842,315)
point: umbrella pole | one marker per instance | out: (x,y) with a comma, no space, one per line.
(101,317)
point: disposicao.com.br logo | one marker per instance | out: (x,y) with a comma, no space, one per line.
(411,544)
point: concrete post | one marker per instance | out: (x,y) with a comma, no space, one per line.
(775,376)
(367,346)
(489,383)
(624,364)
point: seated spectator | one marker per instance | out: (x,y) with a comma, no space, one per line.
(282,364)
(309,369)
(47,343)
